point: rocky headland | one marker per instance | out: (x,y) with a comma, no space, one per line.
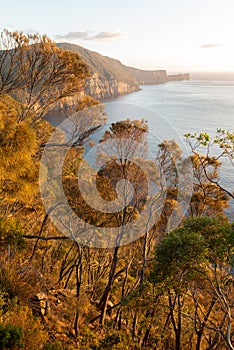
(110,78)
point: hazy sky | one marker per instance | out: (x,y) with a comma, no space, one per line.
(178,35)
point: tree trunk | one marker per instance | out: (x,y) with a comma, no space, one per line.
(134,326)
(104,300)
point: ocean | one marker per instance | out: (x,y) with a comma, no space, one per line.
(203,104)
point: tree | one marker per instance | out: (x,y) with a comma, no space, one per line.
(121,167)
(11,44)
(17,156)
(194,264)
(208,197)
(222,144)
(37,72)
(168,158)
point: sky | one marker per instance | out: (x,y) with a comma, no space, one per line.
(177,35)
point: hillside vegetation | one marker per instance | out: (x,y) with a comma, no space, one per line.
(163,289)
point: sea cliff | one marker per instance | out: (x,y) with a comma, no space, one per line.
(110,78)
(101,88)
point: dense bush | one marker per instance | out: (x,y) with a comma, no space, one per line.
(10,337)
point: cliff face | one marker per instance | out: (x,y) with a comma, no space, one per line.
(110,78)
(148,77)
(102,89)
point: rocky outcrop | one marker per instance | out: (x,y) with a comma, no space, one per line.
(39,304)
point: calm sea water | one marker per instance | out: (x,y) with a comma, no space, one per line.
(176,108)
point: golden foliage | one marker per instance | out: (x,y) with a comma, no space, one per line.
(17,154)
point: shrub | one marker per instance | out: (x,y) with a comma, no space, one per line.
(33,334)
(10,337)
(11,233)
